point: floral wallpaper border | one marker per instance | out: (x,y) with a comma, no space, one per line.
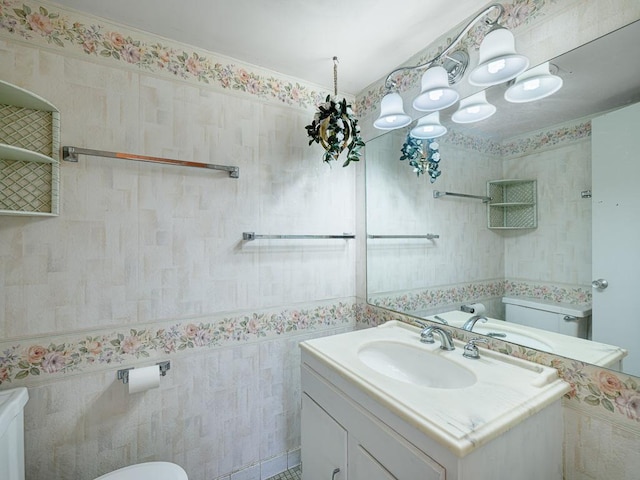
(44,358)
(573,295)
(610,394)
(55,27)
(539,141)
(447,295)
(531,143)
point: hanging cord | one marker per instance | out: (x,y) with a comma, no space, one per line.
(335,76)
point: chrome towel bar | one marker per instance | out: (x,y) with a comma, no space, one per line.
(428,236)
(248,236)
(437,194)
(70,154)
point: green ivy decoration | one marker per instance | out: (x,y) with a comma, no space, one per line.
(423,156)
(335,127)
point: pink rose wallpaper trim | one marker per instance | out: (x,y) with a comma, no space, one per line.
(39,358)
(441,296)
(535,142)
(80,35)
(574,295)
(444,296)
(547,139)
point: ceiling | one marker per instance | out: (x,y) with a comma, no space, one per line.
(298,38)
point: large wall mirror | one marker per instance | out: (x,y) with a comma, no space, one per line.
(424,254)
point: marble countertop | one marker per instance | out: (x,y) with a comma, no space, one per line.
(507,391)
(588,351)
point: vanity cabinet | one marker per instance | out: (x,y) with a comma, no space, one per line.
(368,450)
(512,205)
(29,153)
(349,433)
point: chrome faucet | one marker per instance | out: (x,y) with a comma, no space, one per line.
(468,325)
(446,340)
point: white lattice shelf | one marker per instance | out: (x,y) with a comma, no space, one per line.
(512,204)
(29,153)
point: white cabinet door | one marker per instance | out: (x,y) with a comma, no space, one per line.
(616,227)
(362,466)
(324,444)
(381,454)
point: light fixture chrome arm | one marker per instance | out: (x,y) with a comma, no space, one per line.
(388,84)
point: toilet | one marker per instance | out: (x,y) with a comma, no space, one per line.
(568,319)
(12,404)
(147,471)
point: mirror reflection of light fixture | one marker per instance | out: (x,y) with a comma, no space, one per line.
(392,114)
(498,60)
(429,127)
(473,109)
(534,84)
(436,93)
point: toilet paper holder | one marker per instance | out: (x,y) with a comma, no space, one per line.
(123,374)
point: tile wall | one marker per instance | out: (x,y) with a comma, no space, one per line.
(146,262)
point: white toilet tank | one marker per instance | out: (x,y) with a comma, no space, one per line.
(12,404)
(573,320)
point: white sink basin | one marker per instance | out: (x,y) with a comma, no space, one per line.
(415,365)
(459,402)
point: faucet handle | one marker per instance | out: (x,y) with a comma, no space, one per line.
(426,336)
(423,324)
(471,350)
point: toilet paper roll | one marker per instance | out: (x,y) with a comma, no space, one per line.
(477,308)
(141,379)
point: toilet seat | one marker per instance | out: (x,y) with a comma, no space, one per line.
(147,471)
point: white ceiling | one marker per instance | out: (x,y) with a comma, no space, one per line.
(297,37)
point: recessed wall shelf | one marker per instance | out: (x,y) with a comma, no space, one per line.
(29,158)
(513,204)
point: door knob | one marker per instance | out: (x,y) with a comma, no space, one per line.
(600,284)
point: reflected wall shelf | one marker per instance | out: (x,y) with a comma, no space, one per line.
(513,204)
(29,153)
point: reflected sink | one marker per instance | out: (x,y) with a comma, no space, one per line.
(415,365)
(514,337)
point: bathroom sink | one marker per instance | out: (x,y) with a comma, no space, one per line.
(415,365)
(514,337)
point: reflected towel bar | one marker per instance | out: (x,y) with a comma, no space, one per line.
(428,236)
(70,154)
(248,236)
(437,194)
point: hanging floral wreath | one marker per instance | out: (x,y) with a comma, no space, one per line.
(335,127)
(423,156)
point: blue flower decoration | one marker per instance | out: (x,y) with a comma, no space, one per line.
(423,156)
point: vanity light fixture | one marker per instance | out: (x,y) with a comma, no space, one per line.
(499,63)
(392,114)
(534,84)
(473,109)
(429,127)
(436,93)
